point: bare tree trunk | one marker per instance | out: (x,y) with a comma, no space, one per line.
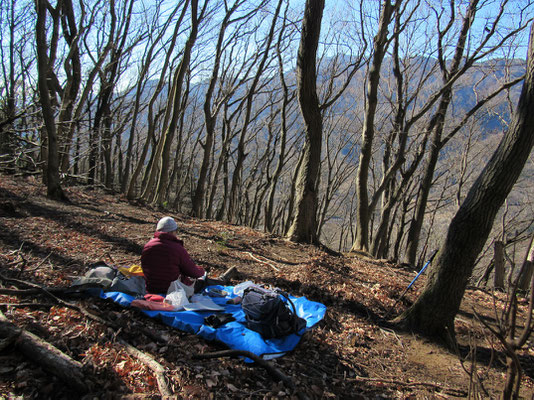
(379,51)
(175,103)
(436,125)
(269,205)
(130,193)
(54,190)
(528,268)
(434,311)
(304,225)
(141,86)
(210,116)
(7,143)
(65,127)
(241,155)
(498,260)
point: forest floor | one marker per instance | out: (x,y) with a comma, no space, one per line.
(352,353)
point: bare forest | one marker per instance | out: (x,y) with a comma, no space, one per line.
(380,129)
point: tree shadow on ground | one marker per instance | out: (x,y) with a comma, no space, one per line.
(14,242)
(484,355)
(68,220)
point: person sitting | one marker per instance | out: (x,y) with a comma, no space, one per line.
(164,259)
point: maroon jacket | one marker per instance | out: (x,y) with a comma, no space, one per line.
(163,260)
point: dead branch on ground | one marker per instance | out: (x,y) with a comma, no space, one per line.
(270,264)
(37,289)
(274,372)
(155,366)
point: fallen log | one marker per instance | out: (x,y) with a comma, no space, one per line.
(43,353)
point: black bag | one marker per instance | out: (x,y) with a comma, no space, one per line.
(268,314)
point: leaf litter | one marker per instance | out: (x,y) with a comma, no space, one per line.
(352,353)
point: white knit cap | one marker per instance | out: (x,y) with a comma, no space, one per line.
(166,224)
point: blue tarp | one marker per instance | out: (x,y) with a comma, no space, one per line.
(234,334)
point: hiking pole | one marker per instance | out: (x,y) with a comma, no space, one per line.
(412,282)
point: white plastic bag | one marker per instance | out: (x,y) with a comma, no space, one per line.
(239,289)
(178,294)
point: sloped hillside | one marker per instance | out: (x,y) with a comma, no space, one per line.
(352,353)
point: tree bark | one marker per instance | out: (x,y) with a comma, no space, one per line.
(527,270)
(436,125)
(175,103)
(151,119)
(210,117)
(233,202)
(53,185)
(434,311)
(379,50)
(43,353)
(498,260)
(269,205)
(304,225)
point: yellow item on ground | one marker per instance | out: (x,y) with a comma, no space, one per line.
(133,270)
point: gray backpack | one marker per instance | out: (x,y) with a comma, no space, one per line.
(267,312)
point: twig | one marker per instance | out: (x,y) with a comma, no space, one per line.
(391,332)
(16,251)
(27,292)
(456,392)
(48,293)
(34,305)
(155,366)
(15,263)
(274,372)
(40,264)
(111,258)
(263,262)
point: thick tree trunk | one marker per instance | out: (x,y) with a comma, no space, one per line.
(304,226)
(434,311)
(54,190)
(498,259)
(436,126)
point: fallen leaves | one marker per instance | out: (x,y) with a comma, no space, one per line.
(345,345)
